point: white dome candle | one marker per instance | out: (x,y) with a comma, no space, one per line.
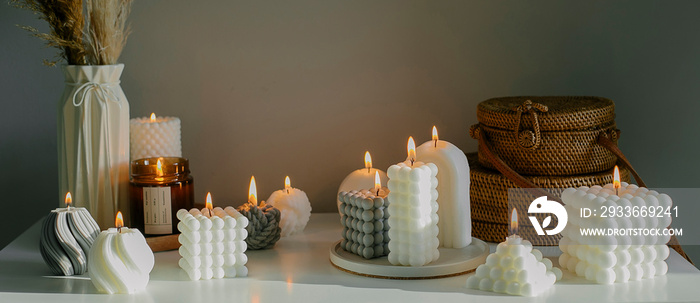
(413,209)
(295,208)
(120,260)
(155,137)
(362,178)
(453,189)
(515,268)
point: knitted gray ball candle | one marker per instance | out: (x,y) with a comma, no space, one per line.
(263,229)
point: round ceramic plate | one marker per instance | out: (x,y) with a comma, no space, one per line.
(452,262)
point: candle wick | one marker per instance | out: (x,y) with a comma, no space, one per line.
(287,191)
(412,160)
(119,229)
(435,143)
(377,191)
(209,209)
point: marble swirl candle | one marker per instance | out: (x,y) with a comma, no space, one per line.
(66,238)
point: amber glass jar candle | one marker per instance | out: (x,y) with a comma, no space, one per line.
(159,188)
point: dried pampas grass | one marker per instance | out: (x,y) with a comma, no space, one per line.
(106,30)
(65,18)
(95,39)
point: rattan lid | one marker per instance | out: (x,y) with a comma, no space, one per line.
(555,113)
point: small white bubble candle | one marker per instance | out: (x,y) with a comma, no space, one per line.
(515,268)
(213,242)
(413,209)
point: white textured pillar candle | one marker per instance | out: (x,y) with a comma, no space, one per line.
(155,137)
(213,242)
(453,187)
(413,209)
(294,206)
(120,260)
(362,178)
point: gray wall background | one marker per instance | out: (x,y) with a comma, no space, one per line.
(303,88)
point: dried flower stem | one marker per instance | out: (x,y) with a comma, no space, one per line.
(100,42)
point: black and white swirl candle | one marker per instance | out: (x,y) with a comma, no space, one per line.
(66,238)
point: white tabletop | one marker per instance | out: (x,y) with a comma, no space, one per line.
(298,270)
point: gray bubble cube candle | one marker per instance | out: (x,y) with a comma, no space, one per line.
(364,218)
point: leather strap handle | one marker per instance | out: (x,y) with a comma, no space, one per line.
(605,141)
(503,168)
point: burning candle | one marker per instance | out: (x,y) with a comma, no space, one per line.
(515,268)
(362,178)
(453,190)
(155,137)
(413,211)
(66,238)
(159,186)
(120,260)
(294,206)
(263,230)
(213,242)
(627,255)
(364,219)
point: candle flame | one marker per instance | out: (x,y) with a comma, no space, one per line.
(514,222)
(287,184)
(616,177)
(69,199)
(435,135)
(368,161)
(159,167)
(153,117)
(411,147)
(377,182)
(119,220)
(252,192)
(208,204)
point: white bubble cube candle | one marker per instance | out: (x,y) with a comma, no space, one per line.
(627,255)
(213,243)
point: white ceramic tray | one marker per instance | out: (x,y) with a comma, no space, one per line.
(452,262)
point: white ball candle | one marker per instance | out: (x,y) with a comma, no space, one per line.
(213,242)
(453,189)
(120,260)
(294,206)
(155,137)
(413,209)
(362,178)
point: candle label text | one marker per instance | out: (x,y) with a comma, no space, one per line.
(157,210)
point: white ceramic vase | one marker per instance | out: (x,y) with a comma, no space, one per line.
(93,141)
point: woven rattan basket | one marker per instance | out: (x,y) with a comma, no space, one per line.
(489,199)
(549,136)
